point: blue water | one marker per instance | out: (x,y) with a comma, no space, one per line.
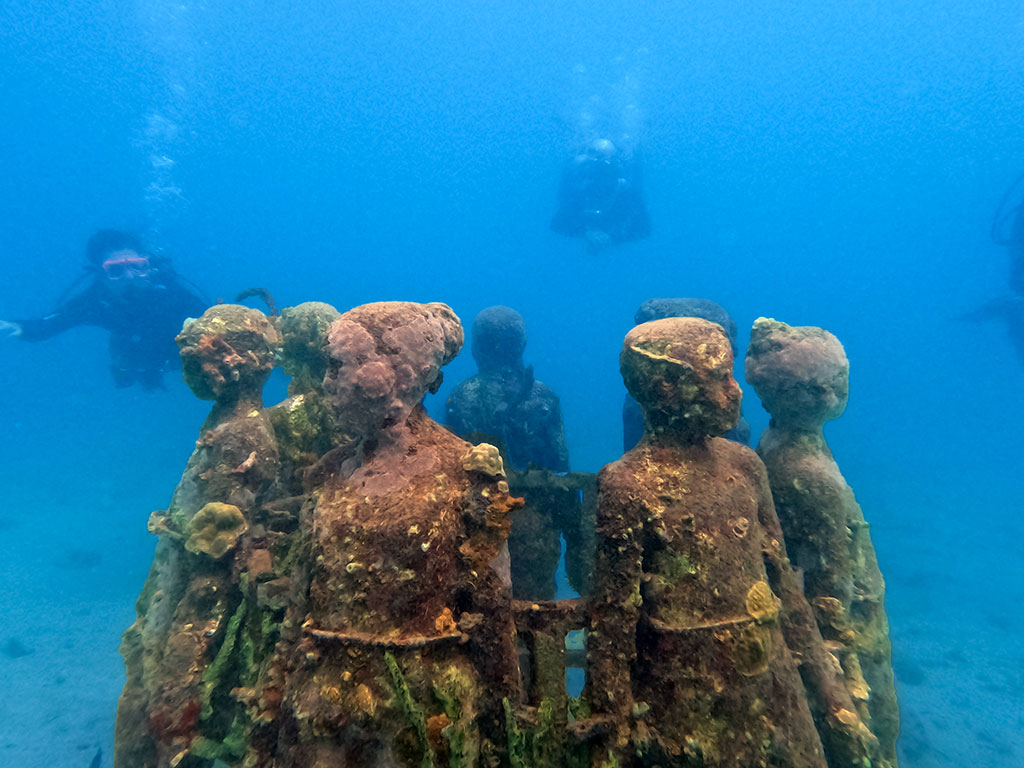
(830,164)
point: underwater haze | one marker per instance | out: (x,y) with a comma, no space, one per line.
(828,164)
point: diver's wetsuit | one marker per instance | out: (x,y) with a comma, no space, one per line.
(602,194)
(143,323)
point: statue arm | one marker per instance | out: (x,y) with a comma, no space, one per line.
(560,460)
(486,618)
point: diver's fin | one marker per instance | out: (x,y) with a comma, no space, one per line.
(999,308)
(1010,207)
(1008,310)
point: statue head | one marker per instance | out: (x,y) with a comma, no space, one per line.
(228,353)
(801,374)
(499,338)
(680,371)
(304,355)
(656,309)
(384,358)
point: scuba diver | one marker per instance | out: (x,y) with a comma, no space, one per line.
(600,197)
(1008,310)
(1008,231)
(136,296)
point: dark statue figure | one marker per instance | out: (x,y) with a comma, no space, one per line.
(505,401)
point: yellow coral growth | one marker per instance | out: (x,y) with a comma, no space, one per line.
(761,602)
(485,459)
(215,529)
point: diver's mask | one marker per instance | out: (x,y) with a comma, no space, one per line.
(126,268)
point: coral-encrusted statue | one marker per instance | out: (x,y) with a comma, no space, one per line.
(407,646)
(166,710)
(686,653)
(332,582)
(801,375)
(304,330)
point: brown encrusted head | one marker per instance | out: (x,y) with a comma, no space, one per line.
(384,358)
(228,353)
(801,374)
(680,371)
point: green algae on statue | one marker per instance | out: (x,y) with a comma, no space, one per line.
(206,539)
(214,530)
(686,654)
(304,355)
(801,375)
(303,424)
